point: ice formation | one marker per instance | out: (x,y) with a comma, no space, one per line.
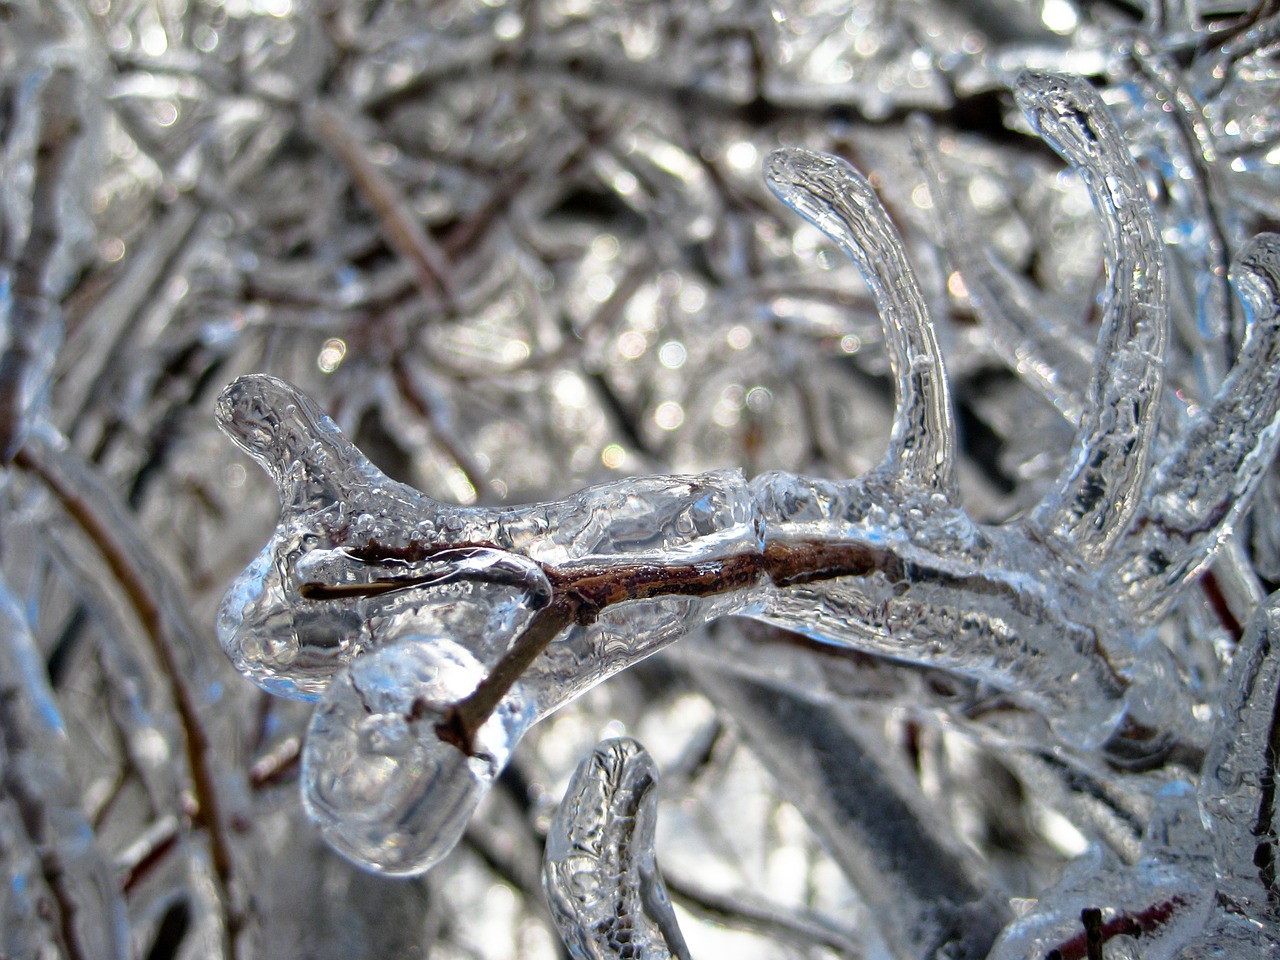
(433,636)
(602,879)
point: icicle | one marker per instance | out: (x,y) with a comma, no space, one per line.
(600,872)
(1099,491)
(386,790)
(838,200)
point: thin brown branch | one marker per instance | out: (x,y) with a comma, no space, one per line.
(581,595)
(1088,945)
(98,512)
(404,232)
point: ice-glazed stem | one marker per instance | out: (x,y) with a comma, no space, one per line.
(404,232)
(865,564)
(1204,485)
(355,551)
(1238,788)
(630,610)
(29,931)
(840,202)
(1099,490)
(406,742)
(35,772)
(600,872)
(1048,356)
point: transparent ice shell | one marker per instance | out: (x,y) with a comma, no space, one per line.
(385,789)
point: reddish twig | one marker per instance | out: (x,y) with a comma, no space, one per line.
(579,596)
(1087,945)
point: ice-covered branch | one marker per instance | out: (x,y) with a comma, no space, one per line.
(153,597)
(373,583)
(1205,884)
(519,248)
(1201,488)
(840,202)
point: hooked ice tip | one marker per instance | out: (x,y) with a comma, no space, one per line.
(247,404)
(269,419)
(796,167)
(1064,111)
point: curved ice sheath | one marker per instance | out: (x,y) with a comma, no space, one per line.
(602,881)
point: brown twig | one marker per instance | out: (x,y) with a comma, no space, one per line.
(404,233)
(581,595)
(97,511)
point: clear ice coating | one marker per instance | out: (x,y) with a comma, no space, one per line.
(1162,901)
(1238,781)
(375,724)
(355,554)
(393,608)
(1205,883)
(600,873)
(1099,490)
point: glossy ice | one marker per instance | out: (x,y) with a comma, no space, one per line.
(385,789)
(355,554)
(1205,883)
(600,873)
(366,581)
